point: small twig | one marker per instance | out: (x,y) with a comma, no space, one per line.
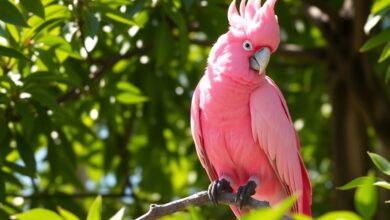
(197,199)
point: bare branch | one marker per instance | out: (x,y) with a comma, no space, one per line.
(198,199)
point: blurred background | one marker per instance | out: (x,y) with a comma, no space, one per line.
(95,99)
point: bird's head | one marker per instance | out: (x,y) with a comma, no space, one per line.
(244,51)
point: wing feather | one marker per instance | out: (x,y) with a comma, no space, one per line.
(273,130)
(196,128)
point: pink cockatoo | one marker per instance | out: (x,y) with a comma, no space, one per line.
(243,132)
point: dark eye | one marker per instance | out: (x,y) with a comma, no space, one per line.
(247,45)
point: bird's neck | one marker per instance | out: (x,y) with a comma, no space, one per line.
(224,99)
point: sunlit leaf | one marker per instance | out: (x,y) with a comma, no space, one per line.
(10,52)
(380,5)
(121,18)
(274,213)
(130,98)
(360,181)
(35,6)
(126,86)
(66,214)
(385,53)
(366,199)
(380,162)
(376,40)
(11,14)
(195,214)
(383,184)
(94,212)
(299,216)
(339,215)
(119,215)
(38,214)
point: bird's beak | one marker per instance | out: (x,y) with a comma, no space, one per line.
(260,59)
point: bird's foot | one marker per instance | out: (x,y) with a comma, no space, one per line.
(244,193)
(217,187)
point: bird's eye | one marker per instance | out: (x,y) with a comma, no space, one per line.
(247,45)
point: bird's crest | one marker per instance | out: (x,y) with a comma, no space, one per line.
(255,20)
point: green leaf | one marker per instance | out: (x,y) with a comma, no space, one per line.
(27,117)
(276,212)
(385,53)
(38,214)
(94,212)
(91,24)
(299,216)
(126,86)
(66,214)
(339,215)
(387,76)
(195,214)
(360,181)
(376,40)
(10,14)
(119,215)
(60,44)
(130,98)
(10,52)
(121,18)
(380,5)
(383,184)
(380,162)
(366,199)
(45,26)
(26,153)
(44,98)
(47,78)
(34,6)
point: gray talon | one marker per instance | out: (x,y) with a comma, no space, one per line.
(244,193)
(217,187)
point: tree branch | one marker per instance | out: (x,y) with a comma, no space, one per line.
(106,65)
(198,199)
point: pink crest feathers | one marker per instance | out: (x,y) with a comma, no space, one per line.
(256,22)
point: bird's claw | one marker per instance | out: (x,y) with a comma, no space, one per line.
(244,193)
(217,187)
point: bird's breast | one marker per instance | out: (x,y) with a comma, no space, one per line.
(224,104)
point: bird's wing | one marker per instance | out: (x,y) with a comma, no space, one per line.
(273,130)
(196,128)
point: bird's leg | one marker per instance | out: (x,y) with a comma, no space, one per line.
(245,192)
(217,187)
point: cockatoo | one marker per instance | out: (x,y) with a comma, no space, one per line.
(242,129)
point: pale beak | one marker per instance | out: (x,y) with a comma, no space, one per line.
(260,59)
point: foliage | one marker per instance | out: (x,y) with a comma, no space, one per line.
(380,10)
(95,96)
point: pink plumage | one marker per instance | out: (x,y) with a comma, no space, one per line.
(240,122)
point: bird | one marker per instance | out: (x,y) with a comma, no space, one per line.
(243,133)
